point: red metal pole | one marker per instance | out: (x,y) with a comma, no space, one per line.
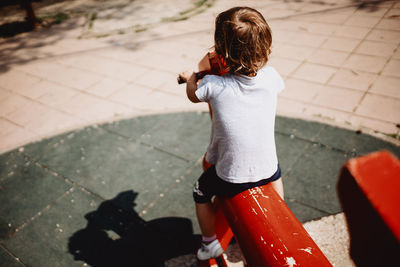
(267,231)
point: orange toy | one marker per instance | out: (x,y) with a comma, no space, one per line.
(211,63)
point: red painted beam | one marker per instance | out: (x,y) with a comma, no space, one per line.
(267,231)
(368,189)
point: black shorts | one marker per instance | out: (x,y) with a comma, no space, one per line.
(209,185)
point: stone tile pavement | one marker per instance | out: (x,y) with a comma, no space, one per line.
(340,61)
(120,193)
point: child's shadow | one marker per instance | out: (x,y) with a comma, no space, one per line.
(115,235)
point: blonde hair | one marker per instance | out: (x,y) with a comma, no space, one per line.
(243,38)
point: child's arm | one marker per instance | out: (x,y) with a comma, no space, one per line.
(191,85)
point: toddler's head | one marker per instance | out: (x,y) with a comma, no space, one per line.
(243,38)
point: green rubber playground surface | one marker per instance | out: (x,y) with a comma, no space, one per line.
(121,192)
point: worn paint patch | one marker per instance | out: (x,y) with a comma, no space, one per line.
(308,250)
(254,210)
(261,192)
(290,261)
(259,206)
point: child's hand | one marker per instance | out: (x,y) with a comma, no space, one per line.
(187,75)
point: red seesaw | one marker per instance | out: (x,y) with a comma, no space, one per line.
(369,189)
(266,230)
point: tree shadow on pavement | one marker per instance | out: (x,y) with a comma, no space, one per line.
(28,47)
(368,5)
(116,235)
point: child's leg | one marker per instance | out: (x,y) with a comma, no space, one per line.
(206,218)
(203,192)
(278,186)
(210,248)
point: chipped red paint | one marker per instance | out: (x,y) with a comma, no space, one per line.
(265,228)
(267,231)
(368,189)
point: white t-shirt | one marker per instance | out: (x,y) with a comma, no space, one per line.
(242,144)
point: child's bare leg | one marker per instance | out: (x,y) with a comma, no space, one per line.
(206,218)
(278,186)
(210,246)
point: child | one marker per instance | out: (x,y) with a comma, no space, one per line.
(242,147)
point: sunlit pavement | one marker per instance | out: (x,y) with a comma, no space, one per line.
(340,61)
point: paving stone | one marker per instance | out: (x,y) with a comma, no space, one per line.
(106,87)
(168,206)
(365,63)
(325,113)
(316,188)
(392,68)
(169,102)
(334,18)
(4,94)
(341,44)
(68,76)
(55,95)
(26,192)
(353,143)
(12,103)
(290,107)
(7,128)
(289,150)
(389,128)
(107,163)
(338,98)
(174,134)
(362,21)
(145,170)
(388,86)
(300,90)
(293,52)
(298,128)
(328,57)
(388,24)
(44,241)
(133,128)
(353,79)
(314,73)
(170,132)
(17,138)
(352,31)
(28,113)
(92,108)
(147,79)
(8,260)
(133,96)
(16,81)
(303,213)
(284,66)
(53,122)
(66,153)
(307,39)
(376,48)
(380,107)
(33,91)
(371,10)
(9,163)
(384,36)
